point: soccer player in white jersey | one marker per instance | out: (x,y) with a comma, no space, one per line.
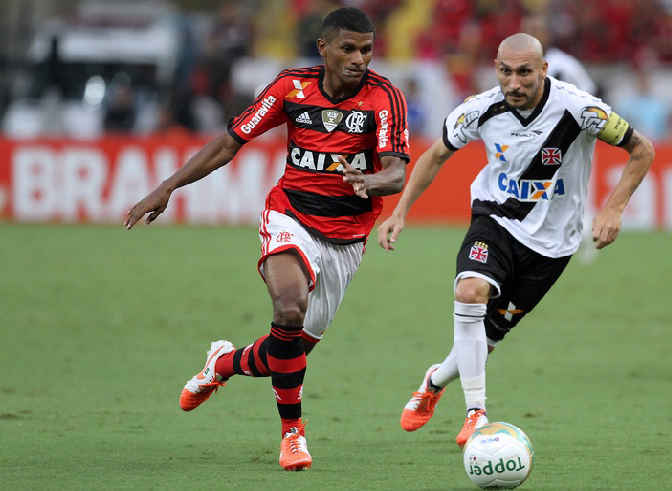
(527,209)
(565,67)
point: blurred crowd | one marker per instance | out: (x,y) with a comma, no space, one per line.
(462,33)
(458,35)
(598,31)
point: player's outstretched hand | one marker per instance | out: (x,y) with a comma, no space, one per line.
(355,177)
(606,226)
(154,203)
(388,231)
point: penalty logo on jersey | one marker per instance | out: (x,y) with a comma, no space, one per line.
(479,252)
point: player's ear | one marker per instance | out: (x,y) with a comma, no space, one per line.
(321,47)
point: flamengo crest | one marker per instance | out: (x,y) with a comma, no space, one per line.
(355,122)
(284,236)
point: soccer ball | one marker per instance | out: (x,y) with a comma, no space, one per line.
(498,456)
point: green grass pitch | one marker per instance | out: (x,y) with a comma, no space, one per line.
(101,327)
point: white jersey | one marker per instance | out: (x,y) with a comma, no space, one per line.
(536,178)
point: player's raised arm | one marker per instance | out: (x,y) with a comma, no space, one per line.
(423,174)
(212,156)
(607,223)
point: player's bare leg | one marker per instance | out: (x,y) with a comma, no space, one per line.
(280,355)
(287,282)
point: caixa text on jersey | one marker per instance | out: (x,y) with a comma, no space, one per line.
(530,189)
(328,162)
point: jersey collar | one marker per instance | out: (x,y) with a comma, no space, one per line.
(537,110)
(338,101)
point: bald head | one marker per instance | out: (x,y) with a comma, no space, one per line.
(521,70)
(520,44)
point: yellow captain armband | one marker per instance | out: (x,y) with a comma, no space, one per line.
(615,131)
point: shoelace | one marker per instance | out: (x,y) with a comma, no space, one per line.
(472,420)
(214,385)
(294,443)
(425,399)
(293,439)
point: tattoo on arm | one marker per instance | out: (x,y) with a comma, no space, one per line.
(641,156)
(635,143)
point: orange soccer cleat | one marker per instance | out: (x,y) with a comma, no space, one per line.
(202,385)
(420,409)
(294,454)
(475,419)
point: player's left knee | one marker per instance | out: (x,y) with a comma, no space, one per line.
(472,291)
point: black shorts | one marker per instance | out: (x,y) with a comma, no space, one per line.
(523,275)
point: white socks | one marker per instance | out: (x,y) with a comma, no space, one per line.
(471,348)
(468,356)
(447,371)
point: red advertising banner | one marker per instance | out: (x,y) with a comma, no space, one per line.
(97,181)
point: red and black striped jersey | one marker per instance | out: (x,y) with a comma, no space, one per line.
(362,128)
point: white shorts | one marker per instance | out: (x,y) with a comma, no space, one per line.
(331,267)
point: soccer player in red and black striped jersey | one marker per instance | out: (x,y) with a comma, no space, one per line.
(347,146)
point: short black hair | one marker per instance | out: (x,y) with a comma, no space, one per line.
(348,19)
